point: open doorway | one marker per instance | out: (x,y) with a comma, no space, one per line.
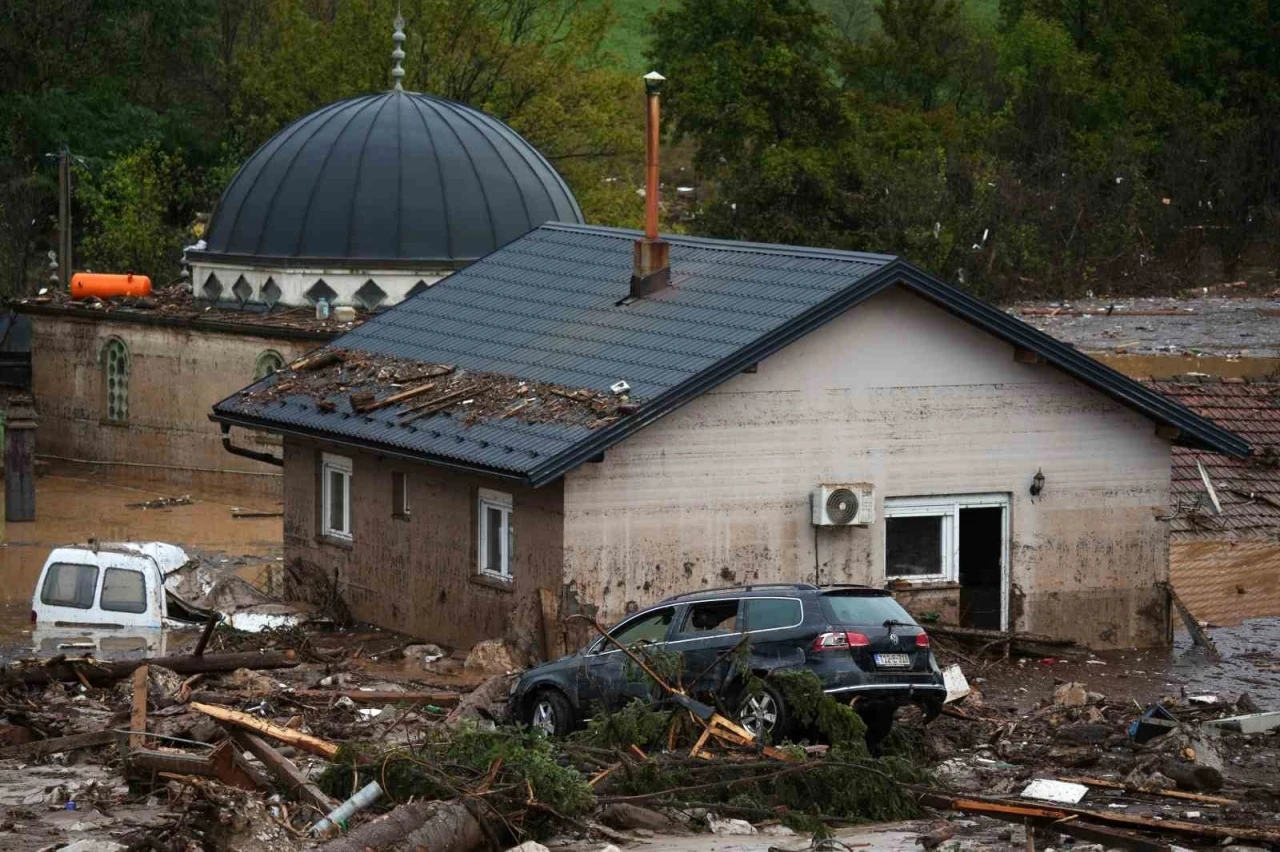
(981,573)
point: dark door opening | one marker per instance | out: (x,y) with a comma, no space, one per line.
(981,575)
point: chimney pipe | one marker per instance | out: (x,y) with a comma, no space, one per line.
(651,270)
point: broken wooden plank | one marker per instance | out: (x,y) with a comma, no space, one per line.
(316,360)
(222,763)
(547,605)
(41,748)
(315,745)
(247,514)
(206,634)
(1000,808)
(99,673)
(138,717)
(285,771)
(1172,794)
(399,397)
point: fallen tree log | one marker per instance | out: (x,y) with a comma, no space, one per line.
(306,742)
(101,673)
(440,699)
(1026,644)
(438,826)
(40,748)
(285,771)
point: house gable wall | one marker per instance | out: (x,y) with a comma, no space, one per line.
(899,393)
(418,575)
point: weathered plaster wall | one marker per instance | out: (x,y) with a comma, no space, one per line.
(176,375)
(294,282)
(1225,581)
(901,394)
(419,575)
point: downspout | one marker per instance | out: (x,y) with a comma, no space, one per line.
(248,454)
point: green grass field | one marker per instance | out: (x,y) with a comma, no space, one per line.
(629,38)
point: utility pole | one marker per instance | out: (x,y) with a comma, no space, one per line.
(64,214)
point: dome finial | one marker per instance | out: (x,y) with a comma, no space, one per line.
(397,55)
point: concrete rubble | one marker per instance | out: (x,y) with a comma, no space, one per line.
(246,759)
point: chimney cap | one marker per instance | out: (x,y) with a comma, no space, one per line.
(653,82)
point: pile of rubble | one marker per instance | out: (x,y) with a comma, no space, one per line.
(362,383)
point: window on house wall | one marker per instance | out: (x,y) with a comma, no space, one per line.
(270,361)
(495,544)
(923,535)
(115,380)
(335,478)
(399,495)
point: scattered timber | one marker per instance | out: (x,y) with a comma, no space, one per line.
(284,770)
(438,826)
(138,717)
(42,748)
(306,742)
(100,673)
(316,360)
(1170,794)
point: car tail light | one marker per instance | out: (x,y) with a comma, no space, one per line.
(840,641)
(922,640)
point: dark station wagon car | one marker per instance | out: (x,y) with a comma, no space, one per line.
(858,640)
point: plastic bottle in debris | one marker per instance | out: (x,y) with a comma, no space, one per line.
(322,308)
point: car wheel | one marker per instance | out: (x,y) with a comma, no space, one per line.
(549,712)
(763,712)
(879,721)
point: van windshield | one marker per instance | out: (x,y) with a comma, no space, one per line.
(866,610)
(68,584)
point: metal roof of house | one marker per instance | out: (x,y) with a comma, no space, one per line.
(1248,489)
(551,307)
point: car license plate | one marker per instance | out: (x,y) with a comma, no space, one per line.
(893,661)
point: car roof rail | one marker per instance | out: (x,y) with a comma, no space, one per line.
(805,587)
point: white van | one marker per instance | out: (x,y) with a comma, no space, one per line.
(107,598)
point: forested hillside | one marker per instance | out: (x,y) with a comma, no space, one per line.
(1019,147)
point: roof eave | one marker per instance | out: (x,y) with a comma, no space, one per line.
(248,422)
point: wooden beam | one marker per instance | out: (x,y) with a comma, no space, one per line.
(547,603)
(361,696)
(40,748)
(1168,433)
(99,673)
(315,745)
(285,771)
(1026,356)
(138,718)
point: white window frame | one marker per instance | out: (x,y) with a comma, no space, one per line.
(489,499)
(948,508)
(400,511)
(331,463)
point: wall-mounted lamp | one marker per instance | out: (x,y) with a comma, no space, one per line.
(1037,483)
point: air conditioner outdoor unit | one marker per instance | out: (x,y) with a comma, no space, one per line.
(852,505)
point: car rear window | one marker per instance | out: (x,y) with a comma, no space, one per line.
(863,609)
(69,584)
(123,591)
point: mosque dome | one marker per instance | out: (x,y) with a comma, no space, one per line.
(391,180)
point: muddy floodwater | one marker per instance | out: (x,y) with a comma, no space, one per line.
(72,507)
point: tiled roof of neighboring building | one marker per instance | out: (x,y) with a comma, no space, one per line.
(552,308)
(1248,489)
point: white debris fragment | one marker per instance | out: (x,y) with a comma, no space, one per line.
(1055,791)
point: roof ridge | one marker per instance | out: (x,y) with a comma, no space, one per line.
(742,246)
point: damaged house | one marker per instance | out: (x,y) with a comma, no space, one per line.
(587,420)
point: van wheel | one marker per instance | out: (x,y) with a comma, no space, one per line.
(763,713)
(549,712)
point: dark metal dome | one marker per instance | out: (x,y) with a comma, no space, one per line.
(398,178)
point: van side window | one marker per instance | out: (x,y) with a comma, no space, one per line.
(771,614)
(123,591)
(69,585)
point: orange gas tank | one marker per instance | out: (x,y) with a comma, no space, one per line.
(104,285)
